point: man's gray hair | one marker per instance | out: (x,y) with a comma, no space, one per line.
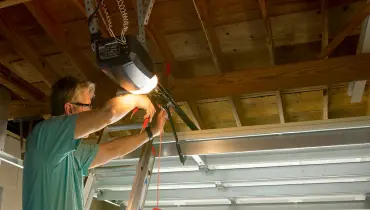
(65,90)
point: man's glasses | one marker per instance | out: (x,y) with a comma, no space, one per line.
(82,104)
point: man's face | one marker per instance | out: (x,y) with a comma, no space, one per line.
(79,103)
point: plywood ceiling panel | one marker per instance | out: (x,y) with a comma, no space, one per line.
(176,16)
(62,65)
(7,53)
(62,11)
(296,28)
(195,67)
(188,45)
(242,37)
(246,60)
(216,114)
(259,110)
(304,106)
(340,104)
(26,71)
(43,44)
(340,15)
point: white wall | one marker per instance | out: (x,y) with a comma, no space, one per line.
(11,178)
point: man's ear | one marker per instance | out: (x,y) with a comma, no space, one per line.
(68,109)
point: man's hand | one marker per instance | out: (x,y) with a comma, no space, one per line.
(143,102)
(161,121)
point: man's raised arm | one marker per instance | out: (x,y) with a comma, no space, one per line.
(91,121)
(122,146)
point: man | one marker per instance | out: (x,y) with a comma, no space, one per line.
(56,160)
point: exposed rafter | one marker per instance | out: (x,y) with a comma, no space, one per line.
(18,89)
(280,106)
(353,23)
(26,109)
(305,74)
(202,9)
(22,46)
(325,111)
(236,109)
(324,24)
(267,22)
(195,114)
(56,32)
(77,56)
(8,3)
(19,86)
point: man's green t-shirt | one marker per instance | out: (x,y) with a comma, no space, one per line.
(54,166)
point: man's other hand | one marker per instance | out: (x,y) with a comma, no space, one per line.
(161,121)
(143,102)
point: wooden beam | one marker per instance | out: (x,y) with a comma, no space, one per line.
(202,9)
(195,114)
(236,109)
(267,22)
(280,106)
(19,86)
(325,112)
(304,74)
(8,3)
(353,23)
(87,69)
(324,24)
(22,46)
(57,33)
(27,110)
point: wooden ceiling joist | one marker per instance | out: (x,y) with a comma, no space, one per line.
(305,74)
(22,46)
(57,33)
(25,92)
(353,23)
(236,110)
(202,9)
(19,110)
(8,3)
(324,24)
(105,87)
(280,106)
(325,112)
(267,22)
(195,114)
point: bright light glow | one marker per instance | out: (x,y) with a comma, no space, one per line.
(149,86)
(299,199)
